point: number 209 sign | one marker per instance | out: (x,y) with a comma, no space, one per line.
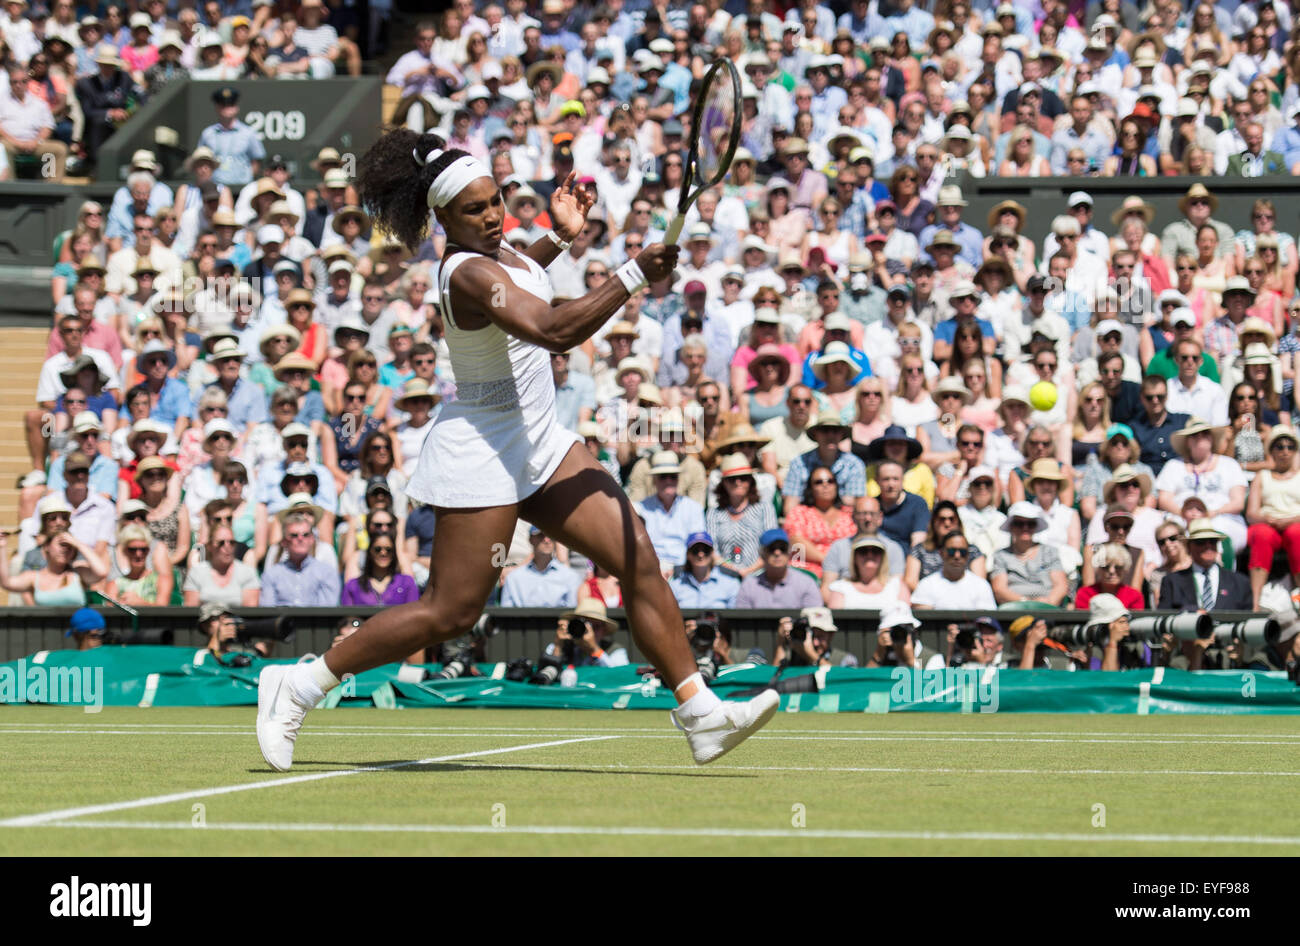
(278,126)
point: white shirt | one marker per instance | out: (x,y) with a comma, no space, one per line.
(26,119)
(1203,399)
(970,593)
(1143,536)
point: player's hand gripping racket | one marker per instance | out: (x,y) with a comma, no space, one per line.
(715,132)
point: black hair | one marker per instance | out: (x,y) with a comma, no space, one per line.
(808,489)
(394,186)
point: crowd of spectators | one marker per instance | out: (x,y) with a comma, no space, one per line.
(851,393)
(75,72)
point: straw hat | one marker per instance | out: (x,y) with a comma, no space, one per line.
(952,385)
(416,388)
(1194,425)
(146,428)
(649,394)
(293,362)
(1277,433)
(1125,473)
(735,464)
(1254,324)
(301,502)
(827,419)
(1008,206)
(1133,205)
(591,609)
(943,238)
(742,433)
(351,211)
(633,363)
(1045,468)
(665,463)
(1203,529)
(148,464)
(1198,190)
(1257,354)
(279,331)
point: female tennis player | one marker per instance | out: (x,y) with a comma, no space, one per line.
(497,452)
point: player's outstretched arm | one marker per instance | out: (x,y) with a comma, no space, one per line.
(482,288)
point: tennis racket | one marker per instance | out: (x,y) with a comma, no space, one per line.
(715,132)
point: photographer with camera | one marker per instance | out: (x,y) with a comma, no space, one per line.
(807,641)
(86,628)
(1109,612)
(1284,653)
(230,634)
(896,643)
(1033,649)
(978,643)
(586,637)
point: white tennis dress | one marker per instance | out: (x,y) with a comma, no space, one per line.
(499,441)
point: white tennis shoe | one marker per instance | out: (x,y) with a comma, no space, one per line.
(713,736)
(279,716)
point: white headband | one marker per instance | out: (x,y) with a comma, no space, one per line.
(455,177)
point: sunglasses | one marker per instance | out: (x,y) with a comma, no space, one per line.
(956,553)
(1169,538)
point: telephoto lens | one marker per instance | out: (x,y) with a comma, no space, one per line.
(1187,627)
(1079,635)
(1255,632)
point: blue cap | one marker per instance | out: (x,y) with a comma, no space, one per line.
(83,621)
(533,530)
(699,538)
(1123,430)
(772,536)
(223,262)
(990,622)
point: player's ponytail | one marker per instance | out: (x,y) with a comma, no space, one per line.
(393,181)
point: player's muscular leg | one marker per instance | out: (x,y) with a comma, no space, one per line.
(463,571)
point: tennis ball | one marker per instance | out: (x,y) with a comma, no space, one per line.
(1043,396)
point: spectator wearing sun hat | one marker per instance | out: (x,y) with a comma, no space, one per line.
(670,518)
(246,403)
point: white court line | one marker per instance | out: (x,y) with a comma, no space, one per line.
(618,730)
(1099,837)
(903,737)
(24,821)
(632,767)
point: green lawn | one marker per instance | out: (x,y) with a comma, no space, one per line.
(809,784)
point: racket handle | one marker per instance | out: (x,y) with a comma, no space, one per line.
(674,229)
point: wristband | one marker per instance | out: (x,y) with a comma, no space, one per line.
(631,276)
(597,654)
(562,244)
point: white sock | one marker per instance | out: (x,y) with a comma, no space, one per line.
(309,682)
(704,702)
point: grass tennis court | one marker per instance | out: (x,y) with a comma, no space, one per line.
(126,782)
